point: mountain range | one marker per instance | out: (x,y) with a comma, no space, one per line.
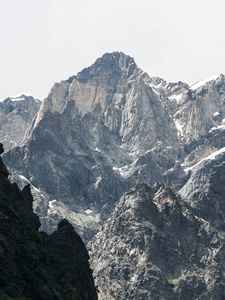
(112,127)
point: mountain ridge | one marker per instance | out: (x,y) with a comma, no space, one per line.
(99,135)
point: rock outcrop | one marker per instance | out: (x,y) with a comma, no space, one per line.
(153,246)
(34,265)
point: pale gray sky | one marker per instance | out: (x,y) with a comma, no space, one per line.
(46,41)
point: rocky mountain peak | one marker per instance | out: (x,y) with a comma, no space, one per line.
(110,65)
(107,79)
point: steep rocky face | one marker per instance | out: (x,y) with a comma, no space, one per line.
(154,247)
(117,91)
(16,115)
(34,265)
(105,82)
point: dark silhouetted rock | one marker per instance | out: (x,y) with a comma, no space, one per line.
(34,265)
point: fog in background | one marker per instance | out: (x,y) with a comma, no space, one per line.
(46,41)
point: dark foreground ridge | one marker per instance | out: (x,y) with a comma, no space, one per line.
(34,265)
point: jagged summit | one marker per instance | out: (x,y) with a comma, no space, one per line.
(111,74)
(110,64)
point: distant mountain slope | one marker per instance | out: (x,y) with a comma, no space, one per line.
(16,115)
(34,265)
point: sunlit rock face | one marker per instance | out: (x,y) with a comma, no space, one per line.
(110,127)
(16,115)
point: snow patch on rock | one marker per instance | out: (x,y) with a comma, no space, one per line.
(203,82)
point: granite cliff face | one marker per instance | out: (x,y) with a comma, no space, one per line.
(16,115)
(110,127)
(34,265)
(154,246)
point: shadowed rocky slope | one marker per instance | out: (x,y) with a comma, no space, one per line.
(34,265)
(154,246)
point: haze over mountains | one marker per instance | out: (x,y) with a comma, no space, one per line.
(103,131)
